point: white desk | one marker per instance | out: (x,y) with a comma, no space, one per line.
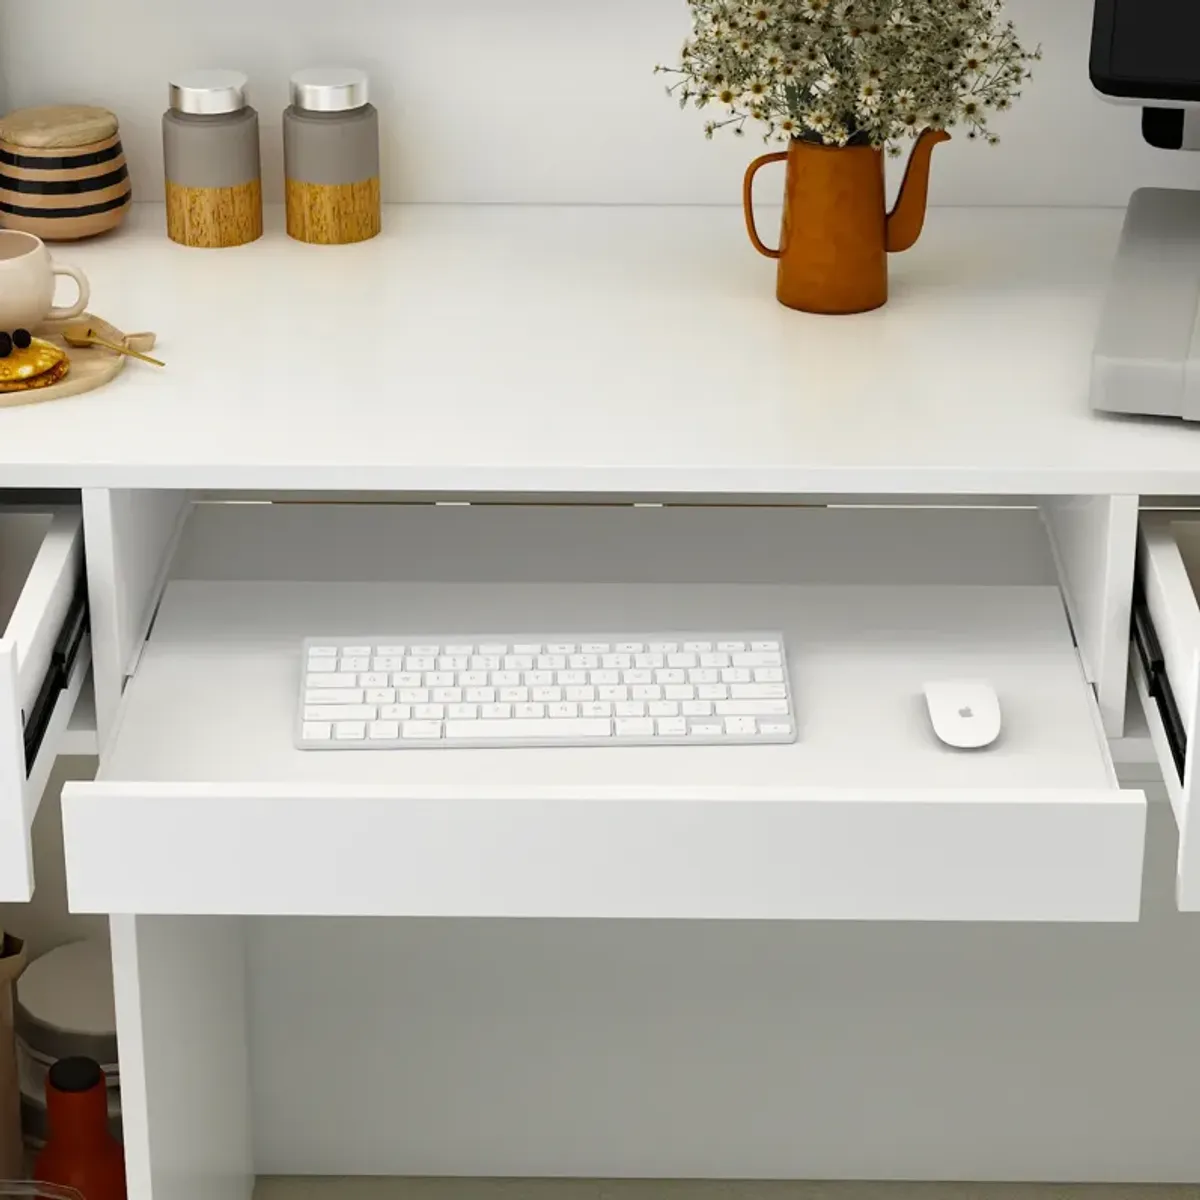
(613,356)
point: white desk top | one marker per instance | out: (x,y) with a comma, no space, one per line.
(600,351)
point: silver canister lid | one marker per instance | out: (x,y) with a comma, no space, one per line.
(208,93)
(330,89)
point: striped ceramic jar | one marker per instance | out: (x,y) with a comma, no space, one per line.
(63,174)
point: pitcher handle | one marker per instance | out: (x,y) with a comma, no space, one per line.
(748,200)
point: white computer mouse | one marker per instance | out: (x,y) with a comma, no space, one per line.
(965,713)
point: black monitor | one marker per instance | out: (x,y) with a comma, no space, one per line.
(1148,52)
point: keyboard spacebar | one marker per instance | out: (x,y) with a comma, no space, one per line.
(565,727)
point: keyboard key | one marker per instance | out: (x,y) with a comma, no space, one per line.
(539,678)
(704,675)
(616,662)
(758,660)
(560,648)
(458,649)
(635,727)
(598,708)
(768,675)
(425,652)
(390,662)
(513,695)
(649,662)
(697,647)
(741,726)
(408,679)
(706,729)
(595,648)
(680,691)
(446,695)
(374,679)
(354,665)
(561,710)
(758,691)
(581,693)
(767,647)
(383,731)
(349,731)
(442,679)
(631,708)
(752,708)
(316,731)
(420,662)
(505,679)
(672,727)
(546,695)
(380,696)
(357,651)
(670,675)
(529,712)
(775,728)
(429,712)
(473,678)
(496,712)
(637,676)
(604,678)
(663,708)
(421,730)
(518,662)
(458,662)
(580,727)
(493,648)
(527,648)
(322,666)
(584,662)
(392,650)
(714,661)
(715,691)
(682,660)
(571,678)
(322,652)
(412,695)
(646,692)
(664,647)
(613,692)
(333,696)
(698,708)
(735,675)
(481,695)
(552,662)
(395,712)
(339,712)
(484,662)
(462,712)
(731,647)
(629,647)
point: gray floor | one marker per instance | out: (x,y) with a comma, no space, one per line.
(552,1189)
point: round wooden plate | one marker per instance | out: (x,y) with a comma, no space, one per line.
(91,367)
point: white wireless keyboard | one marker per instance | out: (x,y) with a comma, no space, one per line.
(638,690)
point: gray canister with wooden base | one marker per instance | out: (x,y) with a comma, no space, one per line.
(212,162)
(331,158)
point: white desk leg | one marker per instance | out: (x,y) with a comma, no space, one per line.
(185,1083)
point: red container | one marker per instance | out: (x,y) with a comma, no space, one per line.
(80,1152)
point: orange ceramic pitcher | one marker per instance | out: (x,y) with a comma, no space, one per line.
(837,232)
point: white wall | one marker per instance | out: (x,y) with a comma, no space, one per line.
(538,100)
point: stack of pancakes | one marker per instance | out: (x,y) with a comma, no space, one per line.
(41,364)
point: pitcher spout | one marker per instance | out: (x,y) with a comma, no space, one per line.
(907,219)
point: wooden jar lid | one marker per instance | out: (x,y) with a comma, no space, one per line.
(57,127)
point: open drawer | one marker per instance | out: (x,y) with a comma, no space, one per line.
(44,658)
(1166,671)
(204,806)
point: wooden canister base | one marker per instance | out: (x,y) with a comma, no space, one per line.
(333,214)
(215,218)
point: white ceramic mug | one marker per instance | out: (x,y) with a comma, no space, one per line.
(27,275)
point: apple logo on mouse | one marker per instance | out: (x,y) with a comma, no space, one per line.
(966,713)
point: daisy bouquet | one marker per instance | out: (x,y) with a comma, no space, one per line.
(850,72)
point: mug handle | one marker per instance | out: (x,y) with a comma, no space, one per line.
(85,294)
(748,200)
